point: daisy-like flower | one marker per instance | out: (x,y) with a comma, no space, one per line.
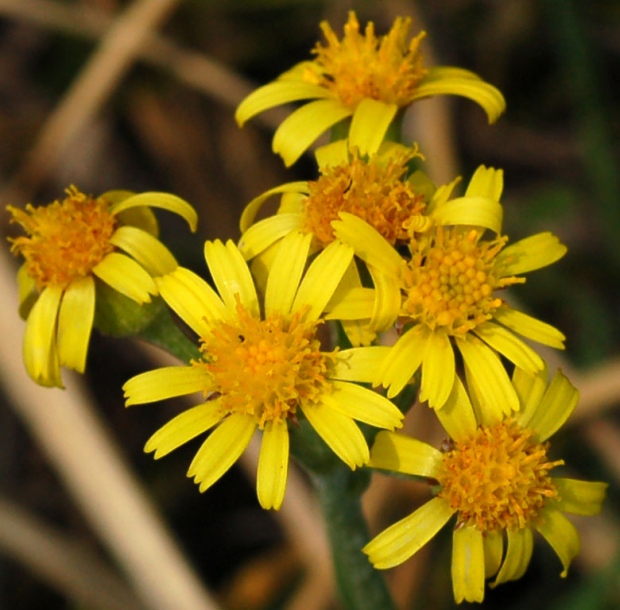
(444,296)
(263,370)
(376,187)
(70,246)
(362,76)
(495,478)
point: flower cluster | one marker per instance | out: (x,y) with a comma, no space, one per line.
(369,245)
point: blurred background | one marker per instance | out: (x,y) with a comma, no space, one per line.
(140,95)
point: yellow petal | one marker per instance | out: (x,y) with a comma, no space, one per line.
(126,276)
(292,203)
(368,243)
(363,405)
(39,347)
(510,346)
(222,449)
(193,300)
(400,453)
(164,201)
(468,564)
(406,537)
(369,125)
(438,370)
(231,276)
(358,363)
(297,132)
(529,327)
(273,465)
(518,555)
(475,211)
(166,382)
(530,390)
(580,497)
(529,254)
(250,211)
(28,293)
(556,406)
(184,427)
(340,433)
(288,267)
(484,94)
(486,182)
(355,304)
(493,542)
(561,534)
(358,332)
(75,323)
(387,300)
(457,416)
(147,250)
(333,154)
(276,94)
(321,279)
(403,361)
(485,370)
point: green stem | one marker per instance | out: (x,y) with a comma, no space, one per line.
(361,586)
(163,332)
(339,489)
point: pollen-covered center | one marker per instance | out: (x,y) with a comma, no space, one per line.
(364,66)
(499,479)
(374,191)
(449,281)
(266,368)
(66,239)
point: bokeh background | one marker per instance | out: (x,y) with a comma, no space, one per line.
(140,95)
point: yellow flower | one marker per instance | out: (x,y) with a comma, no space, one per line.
(70,246)
(263,371)
(444,297)
(495,478)
(376,187)
(364,77)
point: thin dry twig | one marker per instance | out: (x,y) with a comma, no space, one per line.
(99,79)
(93,86)
(65,564)
(89,463)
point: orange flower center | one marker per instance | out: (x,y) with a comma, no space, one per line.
(266,368)
(364,66)
(372,190)
(499,479)
(66,239)
(449,281)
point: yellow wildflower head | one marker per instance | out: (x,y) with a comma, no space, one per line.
(65,240)
(364,77)
(498,479)
(364,66)
(263,366)
(266,368)
(450,279)
(375,190)
(443,294)
(495,479)
(69,246)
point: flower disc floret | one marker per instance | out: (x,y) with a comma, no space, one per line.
(498,479)
(66,239)
(364,66)
(450,279)
(266,368)
(373,190)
